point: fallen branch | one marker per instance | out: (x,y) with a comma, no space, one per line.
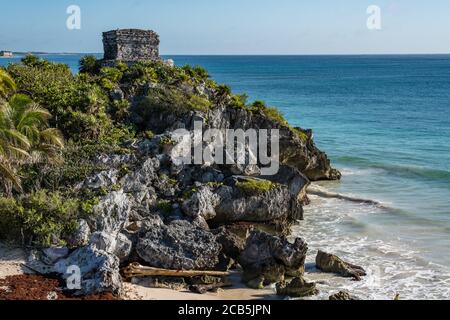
(137,270)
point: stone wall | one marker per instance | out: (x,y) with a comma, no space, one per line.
(130,45)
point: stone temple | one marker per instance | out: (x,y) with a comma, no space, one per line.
(130,46)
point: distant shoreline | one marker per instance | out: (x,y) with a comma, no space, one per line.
(250,55)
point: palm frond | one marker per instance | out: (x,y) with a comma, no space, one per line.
(7,84)
(8,174)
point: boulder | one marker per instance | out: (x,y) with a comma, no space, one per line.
(232,245)
(276,204)
(342,296)
(178,246)
(202,204)
(271,258)
(112,213)
(296,182)
(99,271)
(297,288)
(119,245)
(52,255)
(333,264)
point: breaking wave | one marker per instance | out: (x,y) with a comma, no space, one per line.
(413,172)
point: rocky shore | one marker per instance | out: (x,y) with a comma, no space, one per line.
(180,226)
(192,217)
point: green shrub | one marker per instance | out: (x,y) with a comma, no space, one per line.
(89,64)
(196,73)
(110,77)
(172,100)
(41,219)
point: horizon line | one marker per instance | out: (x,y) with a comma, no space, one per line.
(239,54)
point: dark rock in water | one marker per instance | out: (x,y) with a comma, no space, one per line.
(343,296)
(297,288)
(333,264)
(179,246)
(271,258)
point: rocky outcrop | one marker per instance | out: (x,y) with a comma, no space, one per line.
(178,245)
(342,296)
(275,204)
(296,150)
(297,288)
(333,264)
(268,259)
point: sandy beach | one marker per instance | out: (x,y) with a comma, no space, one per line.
(12,260)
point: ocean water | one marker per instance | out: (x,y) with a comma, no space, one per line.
(385,123)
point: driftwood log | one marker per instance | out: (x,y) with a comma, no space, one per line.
(137,270)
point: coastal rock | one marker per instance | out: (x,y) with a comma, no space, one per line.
(52,255)
(111,214)
(271,258)
(99,271)
(297,288)
(202,204)
(275,204)
(142,178)
(296,182)
(342,296)
(119,245)
(296,151)
(232,245)
(333,264)
(81,236)
(178,245)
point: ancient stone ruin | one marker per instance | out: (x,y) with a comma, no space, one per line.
(130,46)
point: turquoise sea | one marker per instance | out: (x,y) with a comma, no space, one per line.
(385,123)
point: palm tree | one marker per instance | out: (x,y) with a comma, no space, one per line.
(24,138)
(7,84)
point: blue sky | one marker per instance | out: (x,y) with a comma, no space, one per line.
(233,26)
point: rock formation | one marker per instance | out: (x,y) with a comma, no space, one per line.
(153,211)
(333,264)
(297,288)
(268,259)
